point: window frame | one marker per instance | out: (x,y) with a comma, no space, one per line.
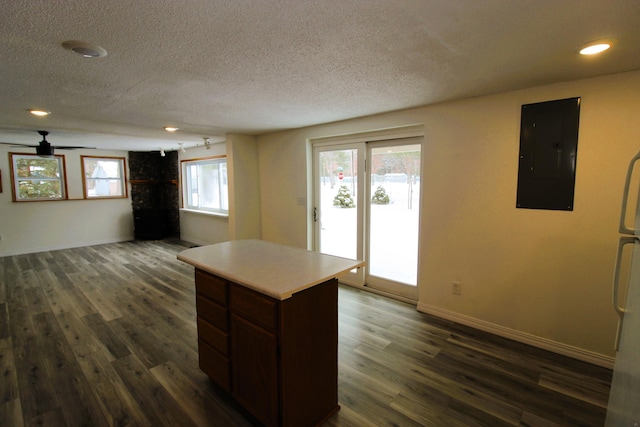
(184,178)
(122,179)
(62,172)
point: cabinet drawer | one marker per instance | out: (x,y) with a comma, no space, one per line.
(213,287)
(215,365)
(253,306)
(213,336)
(212,312)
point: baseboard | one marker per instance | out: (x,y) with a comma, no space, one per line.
(523,337)
(66,246)
(194,241)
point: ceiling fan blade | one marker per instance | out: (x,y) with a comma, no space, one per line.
(59,147)
(46,146)
(16,144)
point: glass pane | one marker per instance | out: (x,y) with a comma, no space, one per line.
(394,213)
(338,212)
(103,177)
(37,178)
(224,187)
(209,186)
(192,186)
(36,189)
(206,185)
(37,167)
(104,187)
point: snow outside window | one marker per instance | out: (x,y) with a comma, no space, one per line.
(104,177)
(205,185)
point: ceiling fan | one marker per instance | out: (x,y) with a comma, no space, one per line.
(44,148)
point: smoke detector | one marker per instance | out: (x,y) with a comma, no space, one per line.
(85,49)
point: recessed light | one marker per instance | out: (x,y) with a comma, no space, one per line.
(39,113)
(170,128)
(595,48)
(85,49)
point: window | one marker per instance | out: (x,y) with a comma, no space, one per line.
(37,178)
(205,185)
(104,177)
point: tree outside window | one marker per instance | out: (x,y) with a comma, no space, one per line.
(37,178)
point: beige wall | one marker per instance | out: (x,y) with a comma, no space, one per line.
(29,227)
(244,187)
(243,221)
(537,273)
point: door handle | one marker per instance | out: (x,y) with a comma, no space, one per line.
(616,283)
(625,197)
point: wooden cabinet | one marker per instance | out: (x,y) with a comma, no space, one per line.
(213,327)
(277,358)
(255,369)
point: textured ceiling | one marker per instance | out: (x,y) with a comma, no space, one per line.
(211,67)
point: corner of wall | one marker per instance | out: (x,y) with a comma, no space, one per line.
(244,187)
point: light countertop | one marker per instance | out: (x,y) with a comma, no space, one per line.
(272,269)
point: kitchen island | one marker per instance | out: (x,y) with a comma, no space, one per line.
(268,327)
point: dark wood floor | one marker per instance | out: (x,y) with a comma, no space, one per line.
(106,336)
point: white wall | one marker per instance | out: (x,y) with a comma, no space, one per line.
(28,227)
(537,273)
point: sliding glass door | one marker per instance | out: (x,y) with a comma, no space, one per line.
(371,213)
(339,198)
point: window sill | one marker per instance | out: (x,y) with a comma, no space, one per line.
(218,215)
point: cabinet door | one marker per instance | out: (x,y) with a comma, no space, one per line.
(255,369)
(215,365)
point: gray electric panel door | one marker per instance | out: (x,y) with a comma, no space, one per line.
(548,148)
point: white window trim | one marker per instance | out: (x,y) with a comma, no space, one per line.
(122,179)
(206,213)
(185,187)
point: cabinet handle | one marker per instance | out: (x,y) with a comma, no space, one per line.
(625,197)
(616,282)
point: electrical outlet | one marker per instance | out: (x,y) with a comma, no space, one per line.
(456,288)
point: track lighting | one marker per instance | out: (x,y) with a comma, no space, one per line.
(162,152)
(207,143)
(181,145)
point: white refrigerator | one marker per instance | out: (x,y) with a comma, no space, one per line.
(624,399)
